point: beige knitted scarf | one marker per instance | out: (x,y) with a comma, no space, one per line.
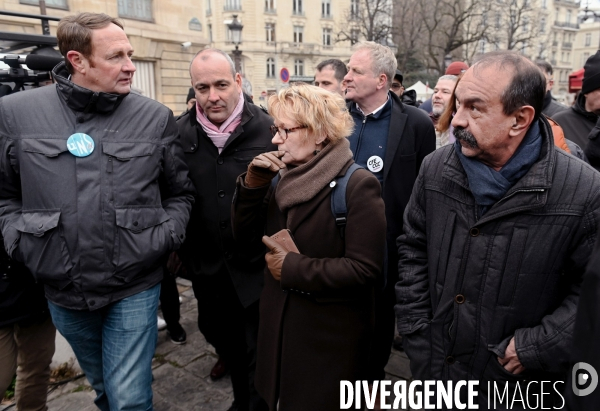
(300,184)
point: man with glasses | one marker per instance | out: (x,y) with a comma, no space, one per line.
(551,106)
(220,136)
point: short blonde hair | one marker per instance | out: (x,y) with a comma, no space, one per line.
(321,111)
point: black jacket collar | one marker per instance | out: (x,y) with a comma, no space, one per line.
(81,99)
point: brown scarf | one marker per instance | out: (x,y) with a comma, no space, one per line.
(300,184)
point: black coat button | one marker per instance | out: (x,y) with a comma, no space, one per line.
(223,225)
(135,223)
(228,255)
(474,232)
(460,299)
(220,160)
(92,303)
(450,360)
(194,147)
(221,193)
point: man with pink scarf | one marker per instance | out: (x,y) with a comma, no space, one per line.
(220,137)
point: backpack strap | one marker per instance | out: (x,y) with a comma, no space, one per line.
(339,209)
(274,182)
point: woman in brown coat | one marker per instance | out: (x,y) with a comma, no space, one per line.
(316,308)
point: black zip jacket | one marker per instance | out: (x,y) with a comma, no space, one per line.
(93,229)
(468,285)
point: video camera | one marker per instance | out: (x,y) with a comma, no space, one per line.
(37,71)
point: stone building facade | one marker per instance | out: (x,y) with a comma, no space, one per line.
(156,29)
(279,34)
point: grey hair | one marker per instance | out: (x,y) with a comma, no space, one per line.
(449,77)
(384,61)
(209,51)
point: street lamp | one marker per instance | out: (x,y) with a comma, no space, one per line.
(447,60)
(235,27)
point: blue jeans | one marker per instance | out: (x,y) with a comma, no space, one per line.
(114,346)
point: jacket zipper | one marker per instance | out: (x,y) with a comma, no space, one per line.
(360,135)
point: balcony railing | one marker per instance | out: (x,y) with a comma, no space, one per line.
(569,3)
(564,24)
(232,7)
(298,13)
(567,45)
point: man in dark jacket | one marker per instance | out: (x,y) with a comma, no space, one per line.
(578,121)
(391,140)
(551,107)
(498,232)
(221,135)
(592,151)
(94,194)
(26,335)
(586,340)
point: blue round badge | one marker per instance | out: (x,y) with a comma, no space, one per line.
(80,145)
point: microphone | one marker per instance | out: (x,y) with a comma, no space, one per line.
(43,63)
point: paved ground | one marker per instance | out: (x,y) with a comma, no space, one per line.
(181,373)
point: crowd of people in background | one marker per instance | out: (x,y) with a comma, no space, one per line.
(310,231)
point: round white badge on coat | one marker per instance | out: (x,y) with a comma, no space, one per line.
(80,145)
(375,164)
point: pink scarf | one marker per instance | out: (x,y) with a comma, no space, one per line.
(220,135)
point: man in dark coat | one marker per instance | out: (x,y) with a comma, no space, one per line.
(498,233)
(26,335)
(551,106)
(592,151)
(391,140)
(220,136)
(578,121)
(586,340)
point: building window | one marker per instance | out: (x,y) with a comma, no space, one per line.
(568,16)
(327,37)
(584,58)
(326,8)
(482,46)
(270,67)
(210,38)
(588,39)
(135,9)
(233,5)
(498,20)
(208,8)
(55,4)
(544,3)
(269,5)
(354,9)
(298,10)
(525,24)
(354,33)
(144,78)
(270,32)
(543,25)
(298,34)
(298,67)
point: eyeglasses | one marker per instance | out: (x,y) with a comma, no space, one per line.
(396,86)
(275,130)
